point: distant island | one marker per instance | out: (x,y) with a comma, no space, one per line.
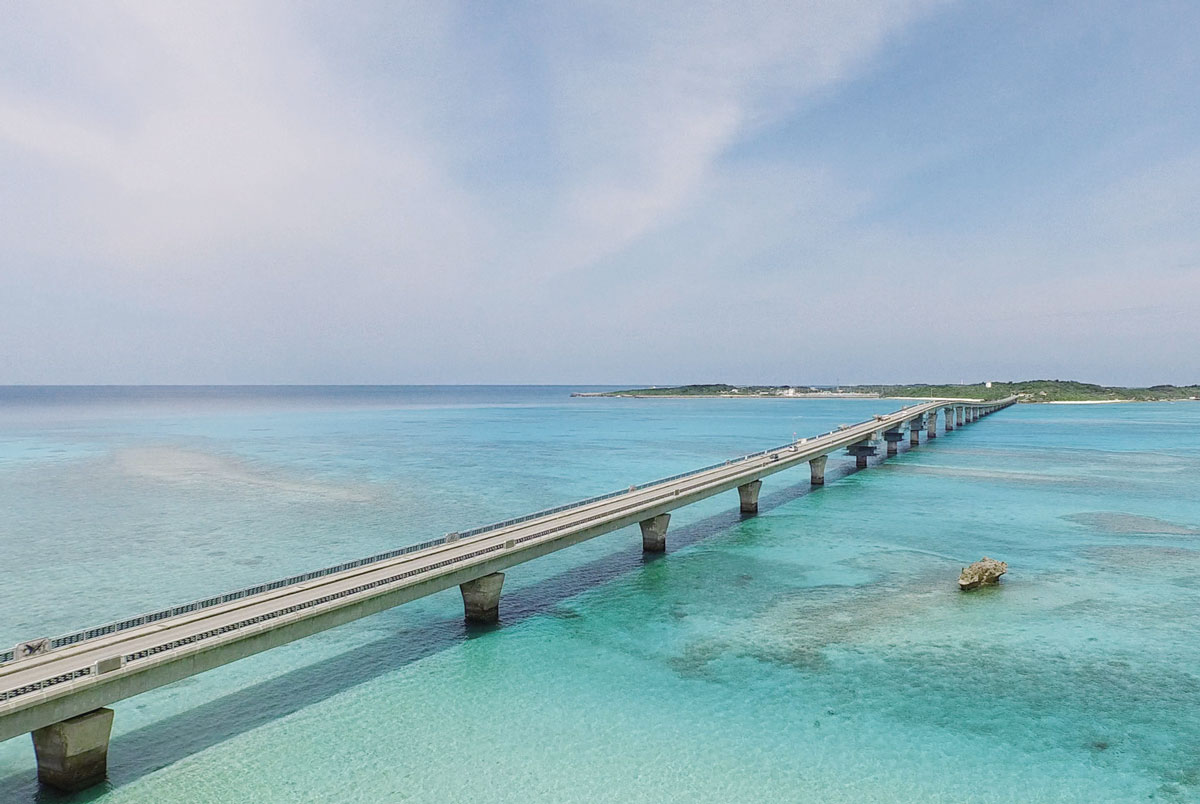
(1027,391)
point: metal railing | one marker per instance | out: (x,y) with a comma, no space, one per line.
(144,653)
(198,605)
(83,635)
(277,613)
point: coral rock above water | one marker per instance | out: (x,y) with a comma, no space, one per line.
(985,570)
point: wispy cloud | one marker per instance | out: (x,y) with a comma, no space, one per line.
(532,192)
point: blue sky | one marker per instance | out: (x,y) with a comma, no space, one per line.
(801,192)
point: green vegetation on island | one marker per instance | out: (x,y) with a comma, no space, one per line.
(1026,391)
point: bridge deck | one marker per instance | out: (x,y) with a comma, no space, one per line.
(45,689)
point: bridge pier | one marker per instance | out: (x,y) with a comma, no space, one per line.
(961,414)
(481,598)
(949,412)
(817,467)
(861,452)
(914,431)
(654,533)
(893,439)
(931,431)
(73,754)
(748,492)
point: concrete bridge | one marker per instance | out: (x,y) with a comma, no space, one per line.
(58,688)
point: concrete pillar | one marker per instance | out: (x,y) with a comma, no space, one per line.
(914,431)
(73,754)
(893,439)
(749,495)
(654,533)
(949,412)
(962,416)
(817,467)
(932,431)
(861,452)
(481,598)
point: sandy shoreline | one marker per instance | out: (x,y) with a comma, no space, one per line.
(603,395)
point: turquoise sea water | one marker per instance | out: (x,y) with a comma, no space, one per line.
(819,652)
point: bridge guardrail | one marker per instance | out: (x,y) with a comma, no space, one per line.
(117,626)
(36,686)
(147,652)
(86,634)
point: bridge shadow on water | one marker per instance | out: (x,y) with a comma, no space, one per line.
(137,753)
